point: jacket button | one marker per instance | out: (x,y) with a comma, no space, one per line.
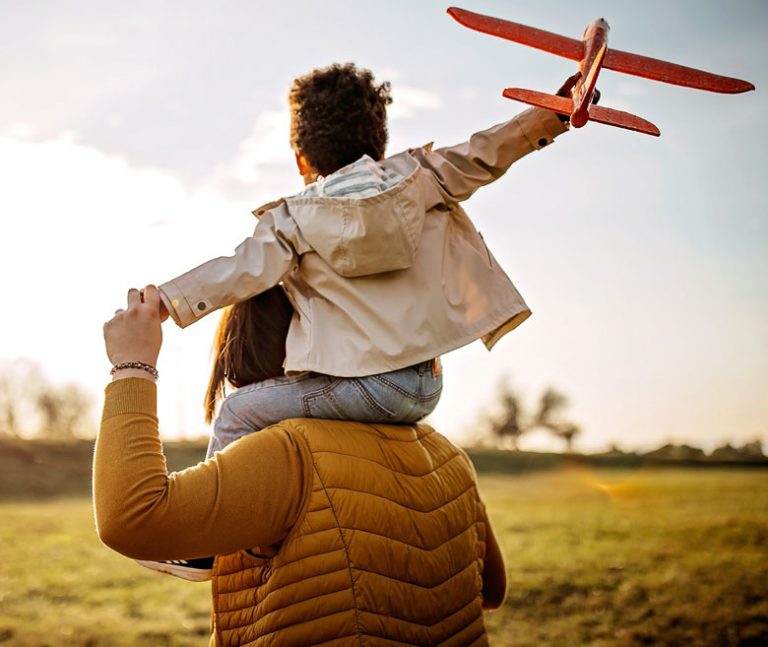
(543,142)
(201,306)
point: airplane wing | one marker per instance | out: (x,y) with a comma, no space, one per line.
(538,38)
(616,60)
(602,115)
(652,68)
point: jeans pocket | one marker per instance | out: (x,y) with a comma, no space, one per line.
(410,393)
(402,396)
(345,399)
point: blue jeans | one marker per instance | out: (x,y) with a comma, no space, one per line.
(399,397)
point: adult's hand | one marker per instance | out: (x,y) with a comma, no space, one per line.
(135,334)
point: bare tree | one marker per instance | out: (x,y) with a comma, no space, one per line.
(20,380)
(509,425)
(9,425)
(551,405)
(31,405)
(751,451)
(513,421)
(753,448)
(568,432)
(63,410)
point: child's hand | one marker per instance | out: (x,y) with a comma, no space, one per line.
(567,88)
(164,314)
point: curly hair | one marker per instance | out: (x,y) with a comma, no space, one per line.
(338,114)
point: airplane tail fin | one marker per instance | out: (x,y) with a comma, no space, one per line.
(560,105)
(564,106)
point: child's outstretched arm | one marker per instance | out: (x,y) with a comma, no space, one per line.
(464,168)
(259,263)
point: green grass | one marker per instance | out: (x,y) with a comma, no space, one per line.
(594,556)
(645,557)
(60,586)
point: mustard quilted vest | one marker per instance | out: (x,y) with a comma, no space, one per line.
(388,549)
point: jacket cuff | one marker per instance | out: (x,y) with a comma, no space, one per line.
(177,305)
(540,127)
(132,395)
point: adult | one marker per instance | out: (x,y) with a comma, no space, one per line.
(326,531)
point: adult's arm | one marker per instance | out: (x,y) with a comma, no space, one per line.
(494,572)
(462,169)
(259,263)
(248,495)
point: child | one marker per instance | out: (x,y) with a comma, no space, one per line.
(384,270)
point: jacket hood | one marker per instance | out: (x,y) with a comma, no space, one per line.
(365,218)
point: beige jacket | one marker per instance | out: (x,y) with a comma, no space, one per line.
(386,280)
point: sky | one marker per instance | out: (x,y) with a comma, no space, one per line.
(135,139)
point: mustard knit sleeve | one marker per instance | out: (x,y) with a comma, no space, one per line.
(249,495)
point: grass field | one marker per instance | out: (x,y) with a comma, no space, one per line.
(648,557)
(595,557)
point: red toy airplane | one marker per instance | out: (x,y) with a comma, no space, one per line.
(592,53)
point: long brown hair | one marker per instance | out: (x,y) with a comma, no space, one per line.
(249,345)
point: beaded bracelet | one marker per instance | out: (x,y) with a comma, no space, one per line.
(144,367)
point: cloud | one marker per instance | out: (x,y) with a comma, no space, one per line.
(20,130)
(80,227)
(263,167)
(266,145)
(407,101)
